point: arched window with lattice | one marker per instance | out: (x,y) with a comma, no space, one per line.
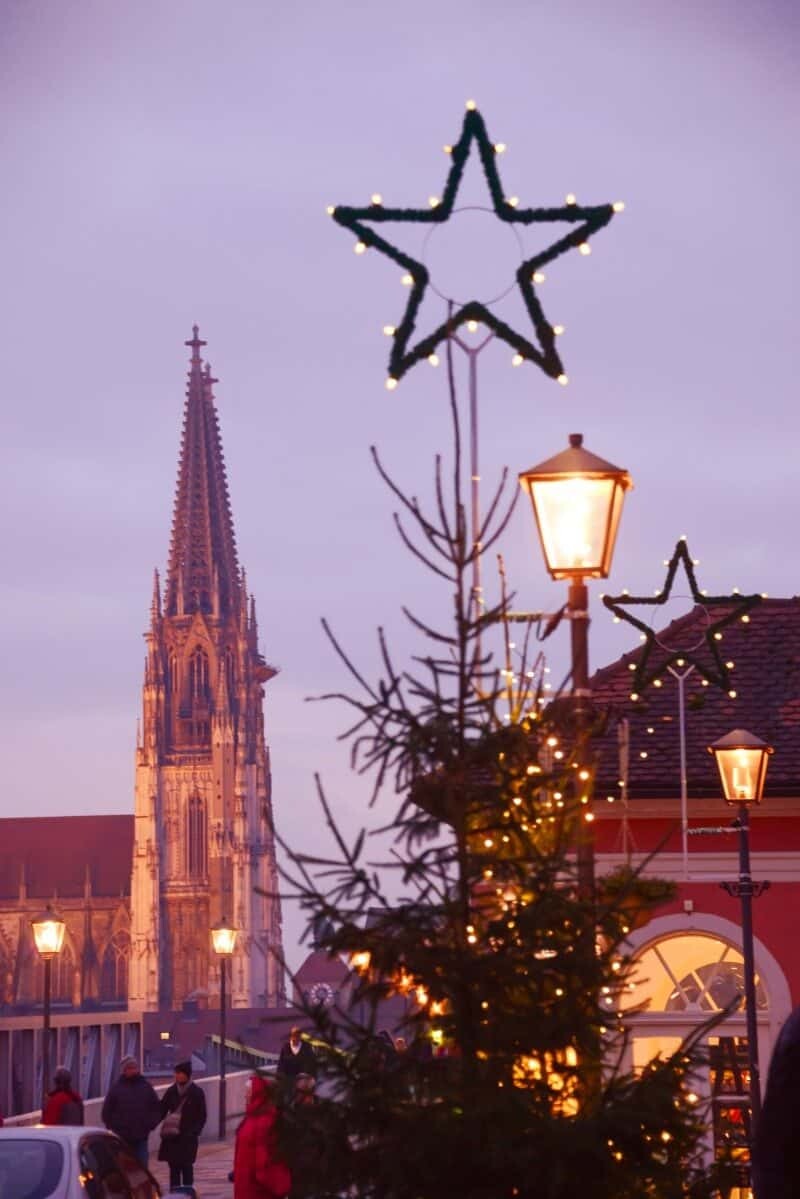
(196,838)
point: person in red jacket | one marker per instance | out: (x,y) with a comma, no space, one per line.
(258,1170)
(63,1106)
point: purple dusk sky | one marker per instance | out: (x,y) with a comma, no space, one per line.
(166,163)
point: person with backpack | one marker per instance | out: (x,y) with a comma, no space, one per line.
(183,1107)
(63,1106)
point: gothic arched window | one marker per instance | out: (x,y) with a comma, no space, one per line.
(196,838)
(114,975)
(198,674)
(62,976)
(173,674)
(230,673)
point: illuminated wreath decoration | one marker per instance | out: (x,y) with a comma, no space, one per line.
(588,221)
(710,665)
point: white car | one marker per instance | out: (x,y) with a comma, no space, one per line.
(69,1162)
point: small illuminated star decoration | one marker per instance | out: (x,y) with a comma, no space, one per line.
(530,272)
(705,655)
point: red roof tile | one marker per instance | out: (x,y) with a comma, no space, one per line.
(54,852)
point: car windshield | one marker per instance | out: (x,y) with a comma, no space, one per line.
(29,1168)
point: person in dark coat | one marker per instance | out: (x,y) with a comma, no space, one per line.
(296,1057)
(183,1107)
(63,1106)
(131,1108)
(776,1152)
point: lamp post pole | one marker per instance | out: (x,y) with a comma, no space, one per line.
(577,501)
(223,966)
(223,938)
(46,1032)
(742,762)
(48,935)
(745,889)
(578,611)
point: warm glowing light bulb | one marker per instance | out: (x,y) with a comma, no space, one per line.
(558,330)
(618,206)
(447,149)
(359,247)
(584,248)
(434,201)
(330,210)
(407,280)
(500,147)
(513,201)
(571,199)
(472,326)
(563,380)
(538,276)
(471,105)
(517,360)
(433,359)
(377,198)
(389,330)
(391,383)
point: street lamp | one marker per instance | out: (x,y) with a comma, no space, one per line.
(577,501)
(742,763)
(48,935)
(224,941)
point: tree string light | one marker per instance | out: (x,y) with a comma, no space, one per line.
(506,208)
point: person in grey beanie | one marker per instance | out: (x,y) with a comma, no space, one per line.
(131,1108)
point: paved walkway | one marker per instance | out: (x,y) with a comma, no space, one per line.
(214,1163)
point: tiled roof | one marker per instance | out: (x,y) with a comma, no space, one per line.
(54,852)
(766,678)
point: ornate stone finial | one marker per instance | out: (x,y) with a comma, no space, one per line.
(155,603)
(195,344)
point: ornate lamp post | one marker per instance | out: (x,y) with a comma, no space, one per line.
(742,763)
(224,941)
(48,934)
(577,502)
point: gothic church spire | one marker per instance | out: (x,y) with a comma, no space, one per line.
(202,560)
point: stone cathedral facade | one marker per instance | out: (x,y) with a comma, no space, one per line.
(203,846)
(139,893)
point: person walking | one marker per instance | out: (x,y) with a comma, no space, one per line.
(259,1171)
(183,1107)
(296,1057)
(63,1106)
(131,1108)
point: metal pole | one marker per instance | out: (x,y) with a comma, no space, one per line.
(746,896)
(681,678)
(222,998)
(578,607)
(46,1034)
(475,482)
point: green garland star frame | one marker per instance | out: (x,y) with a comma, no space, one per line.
(544,354)
(711,667)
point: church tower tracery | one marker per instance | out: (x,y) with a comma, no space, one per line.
(203,822)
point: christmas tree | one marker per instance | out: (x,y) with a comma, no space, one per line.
(476,939)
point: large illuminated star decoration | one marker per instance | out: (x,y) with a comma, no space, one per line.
(360,221)
(704,655)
